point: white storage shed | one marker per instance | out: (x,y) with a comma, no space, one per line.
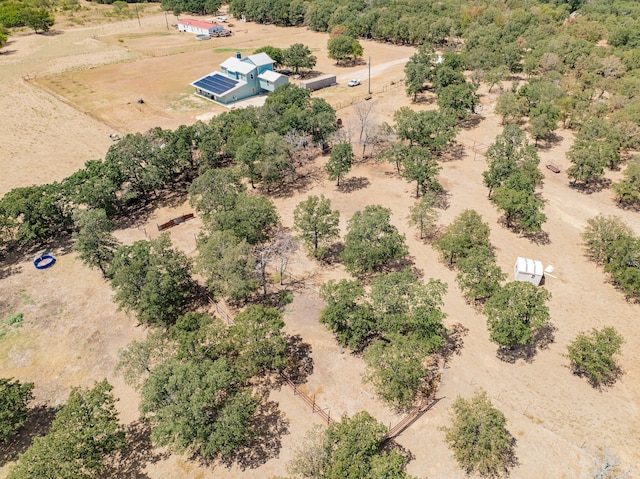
(528,270)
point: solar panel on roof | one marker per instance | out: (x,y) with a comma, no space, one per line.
(216,84)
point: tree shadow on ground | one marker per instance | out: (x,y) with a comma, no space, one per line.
(455,152)
(130,462)
(606,382)
(424,99)
(628,206)
(390,445)
(38,422)
(140,210)
(349,185)
(271,425)
(593,187)
(300,362)
(398,265)
(538,237)
(17,253)
(552,140)
(301,183)
(453,342)
(332,255)
(470,123)
(541,340)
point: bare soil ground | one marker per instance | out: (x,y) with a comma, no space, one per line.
(62,94)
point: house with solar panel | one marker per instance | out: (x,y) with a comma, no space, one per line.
(240,78)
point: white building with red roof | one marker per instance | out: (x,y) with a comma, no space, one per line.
(199,27)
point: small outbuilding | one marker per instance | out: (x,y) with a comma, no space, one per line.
(199,27)
(318,82)
(528,270)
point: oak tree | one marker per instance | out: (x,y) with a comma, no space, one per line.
(372,241)
(516,312)
(316,223)
(14,401)
(478,437)
(84,432)
(592,355)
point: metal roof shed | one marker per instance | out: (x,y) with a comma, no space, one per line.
(528,270)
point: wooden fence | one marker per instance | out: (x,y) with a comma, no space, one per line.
(310,401)
(405,422)
(411,417)
(175,221)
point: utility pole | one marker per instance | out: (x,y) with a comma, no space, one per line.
(369,74)
(166,20)
(137,15)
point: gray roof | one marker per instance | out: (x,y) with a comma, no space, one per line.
(261,59)
(269,75)
(234,64)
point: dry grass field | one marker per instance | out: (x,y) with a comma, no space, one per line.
(63,94)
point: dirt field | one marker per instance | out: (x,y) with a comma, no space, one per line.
(63,94)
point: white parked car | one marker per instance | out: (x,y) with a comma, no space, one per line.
(354,82)
(221,19)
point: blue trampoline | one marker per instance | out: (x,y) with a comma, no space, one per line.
(44,261)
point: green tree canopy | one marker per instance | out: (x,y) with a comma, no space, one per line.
(153,280)
(521,208)
(398,370)
(509,154)
(349,449)
(84,432)
(418,70)
(4,36)
(93,239)
(423,215)
(371,241)
(627,190)
(422,167)
(463,236)
(601,233)
(258,341)
(14,400)
(316,223)
(344,48)
(346,314)
(275,53)
(298,57)
(405,305)
(479,276)
(215,190)
(228,265)
(93,187)
(624,265)
(35,213)
(340,161)
(478,437)
(198,7)
(198,405)
(431,129)
(220,197)
(138,358)
(38,19)
(592,355)
(516,312)
(460,99)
